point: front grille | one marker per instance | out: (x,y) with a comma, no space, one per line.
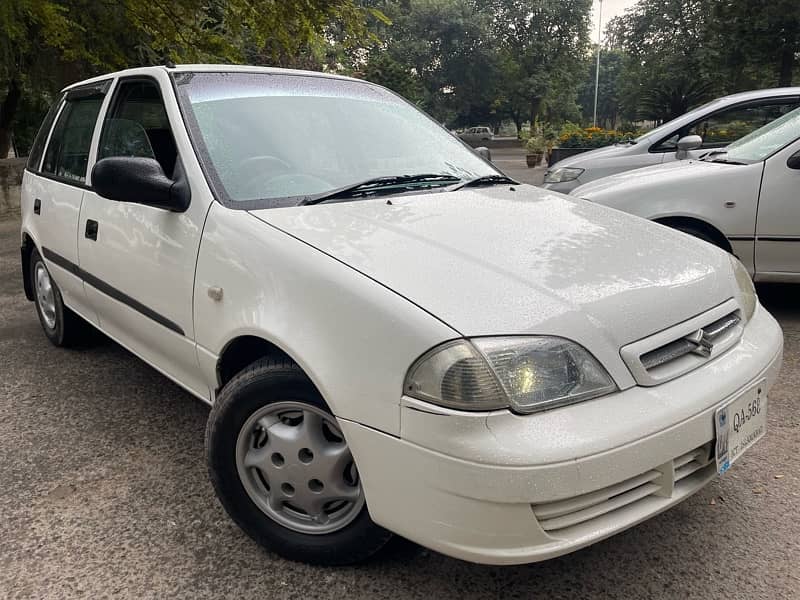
(685,346)
(662,481)
(712,333)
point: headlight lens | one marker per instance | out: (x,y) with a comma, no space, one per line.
(526,374)
(562,174)
(747,291)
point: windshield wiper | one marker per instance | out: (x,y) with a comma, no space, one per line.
(380,185)
(484,180)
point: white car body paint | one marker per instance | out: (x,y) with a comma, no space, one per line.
(356,291)
(754,205)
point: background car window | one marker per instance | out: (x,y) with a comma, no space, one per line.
(137,125)
(68,152)
(35,156)
(726,126)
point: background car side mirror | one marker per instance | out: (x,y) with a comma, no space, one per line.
(687,143)
(794,161)
(484,153)
(141,181)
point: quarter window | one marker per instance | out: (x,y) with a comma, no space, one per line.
(35,156)
(67,153)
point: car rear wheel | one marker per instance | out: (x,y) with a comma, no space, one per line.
(283,471)
(61,326)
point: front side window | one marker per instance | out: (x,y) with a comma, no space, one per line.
(266,139)
(67,154)
(137,125)
(721,128)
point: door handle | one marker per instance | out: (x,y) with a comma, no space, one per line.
(37,206)
(91,229)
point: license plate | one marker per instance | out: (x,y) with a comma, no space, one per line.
(740,424)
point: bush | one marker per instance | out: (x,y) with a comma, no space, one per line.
(573,136)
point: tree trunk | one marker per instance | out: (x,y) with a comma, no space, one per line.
(536,104)
(8,109)
(787,64)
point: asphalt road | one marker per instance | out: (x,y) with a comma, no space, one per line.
(103,493)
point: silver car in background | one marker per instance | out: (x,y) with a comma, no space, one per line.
(713,125)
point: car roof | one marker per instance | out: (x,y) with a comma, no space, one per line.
(208,68)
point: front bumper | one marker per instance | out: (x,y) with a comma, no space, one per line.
(499,488)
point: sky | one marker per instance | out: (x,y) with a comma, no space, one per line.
(611,8)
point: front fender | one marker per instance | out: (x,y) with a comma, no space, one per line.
(353,337)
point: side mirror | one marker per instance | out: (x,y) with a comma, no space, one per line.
(794,161)
(141,181)
(484,153)
(687,143)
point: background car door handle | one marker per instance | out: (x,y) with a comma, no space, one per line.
(37,206)
(91,229)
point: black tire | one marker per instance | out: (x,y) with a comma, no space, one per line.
(265,382)
(69,328)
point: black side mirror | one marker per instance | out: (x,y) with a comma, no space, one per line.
(794,161)
(484,153)
(141,181)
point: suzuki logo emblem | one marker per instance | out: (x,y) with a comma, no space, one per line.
(702,346)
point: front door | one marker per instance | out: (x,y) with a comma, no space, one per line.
(778,224)
(138,260)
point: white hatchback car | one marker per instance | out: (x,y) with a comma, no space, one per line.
(393,336)
(477,134)
(711,126)
(743,198)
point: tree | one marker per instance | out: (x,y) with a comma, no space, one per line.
(46,43)
(544,38)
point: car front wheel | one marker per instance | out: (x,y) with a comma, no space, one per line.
(283,470)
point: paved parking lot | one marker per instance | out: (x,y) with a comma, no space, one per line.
(104,493)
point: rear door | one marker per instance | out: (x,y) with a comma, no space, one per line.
(778,224)
(54,189)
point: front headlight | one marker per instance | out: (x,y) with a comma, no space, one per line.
(525,374)
(562,174)
(747,291)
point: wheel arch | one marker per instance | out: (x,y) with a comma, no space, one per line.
(243,350)
(678,221)
(27,247)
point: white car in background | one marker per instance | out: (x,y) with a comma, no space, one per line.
(743,199)
(477,134)
(711,126)
(393,336)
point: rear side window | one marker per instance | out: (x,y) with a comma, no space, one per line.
(35,157)
(67,154)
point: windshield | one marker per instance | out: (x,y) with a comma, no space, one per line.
(670,125)
(266,139)
(763,142)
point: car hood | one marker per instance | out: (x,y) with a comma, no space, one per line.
(663,176)
(504,260)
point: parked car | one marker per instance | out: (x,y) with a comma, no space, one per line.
(477,134)
(743,198)
(717,124)
(392,335)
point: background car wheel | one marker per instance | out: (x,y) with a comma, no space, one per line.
(61,326)
(283,471)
